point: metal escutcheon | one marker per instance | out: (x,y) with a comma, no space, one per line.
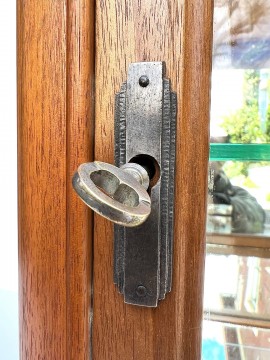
(118,194)
(138,193)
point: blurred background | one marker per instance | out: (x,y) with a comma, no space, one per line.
(237,274)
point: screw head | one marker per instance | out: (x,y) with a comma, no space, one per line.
(141,291)
(143,80)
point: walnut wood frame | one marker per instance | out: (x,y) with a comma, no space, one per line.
(55,130)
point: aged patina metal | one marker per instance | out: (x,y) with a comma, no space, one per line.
(116,194)
(138,193)
(145,119)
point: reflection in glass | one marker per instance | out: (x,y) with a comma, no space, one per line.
(241,34)
(241,71)
(237,286)
(232,342)
(240,111)
(237,276)
(239,197)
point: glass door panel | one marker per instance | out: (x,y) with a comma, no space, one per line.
(236,297)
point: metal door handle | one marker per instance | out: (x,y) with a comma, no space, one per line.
(118,194)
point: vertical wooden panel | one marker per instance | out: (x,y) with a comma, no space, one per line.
(80,135)
(55,76)
(179,33)
(42,178)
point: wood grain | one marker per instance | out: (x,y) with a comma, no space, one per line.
(80,127)
(55,92)
(179,33)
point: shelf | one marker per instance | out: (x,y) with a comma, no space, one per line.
(239,152)
(234,317)
(257,245)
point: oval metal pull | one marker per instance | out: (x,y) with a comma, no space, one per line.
(118,194)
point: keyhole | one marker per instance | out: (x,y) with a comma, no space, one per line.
(151,166)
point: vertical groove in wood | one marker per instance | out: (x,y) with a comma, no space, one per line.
(179,33)
(80,128)
(55,133)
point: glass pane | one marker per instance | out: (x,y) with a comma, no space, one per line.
(231,342)
(239,197)
(237,286)
(240,111)
(237,274)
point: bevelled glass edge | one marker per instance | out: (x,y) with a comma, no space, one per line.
(239,152)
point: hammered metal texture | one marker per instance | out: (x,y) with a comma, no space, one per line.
(145,120)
